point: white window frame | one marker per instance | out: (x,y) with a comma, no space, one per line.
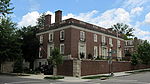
(95,37)
(118,43)
(95,51)
(40,49)
(62,35)
(62,51)
(51,37)
(41,39)
(103,39)
(110,42)
(49,50)
(82,35)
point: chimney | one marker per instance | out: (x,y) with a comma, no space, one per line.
(47,22)
(58,16)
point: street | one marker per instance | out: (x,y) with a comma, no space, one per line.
(140,78)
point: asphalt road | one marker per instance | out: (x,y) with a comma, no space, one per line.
(140,78)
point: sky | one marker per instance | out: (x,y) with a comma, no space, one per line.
(104,13)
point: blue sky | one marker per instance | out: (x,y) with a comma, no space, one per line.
(103,13)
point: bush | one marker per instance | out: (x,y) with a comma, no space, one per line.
(134,59)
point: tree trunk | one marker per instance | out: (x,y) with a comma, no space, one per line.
(54,70)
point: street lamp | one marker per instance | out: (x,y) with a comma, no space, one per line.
(110,62)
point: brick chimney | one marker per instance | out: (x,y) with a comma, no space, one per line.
(58,16)
(47,21)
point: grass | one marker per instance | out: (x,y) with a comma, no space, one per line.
(54,77)
(96,77)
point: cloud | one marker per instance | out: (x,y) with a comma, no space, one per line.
(136,10)
(105,19)
(29,19)
(147,18)
(133,3)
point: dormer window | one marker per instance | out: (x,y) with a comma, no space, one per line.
(95,37)
(82,35)
(62,35)
(41,39)
(50,37)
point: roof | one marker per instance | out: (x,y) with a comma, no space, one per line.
(82,24)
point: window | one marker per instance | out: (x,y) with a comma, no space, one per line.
(95,52)
(62,48)
(50,37)
(118,43)
(62,35)
(40,52)
(104,52)
(103,39)
(110,42)
(41,39)
(82,35)
(95,38)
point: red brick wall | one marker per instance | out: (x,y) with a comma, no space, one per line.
(66,68)
(94,67)
(90,67)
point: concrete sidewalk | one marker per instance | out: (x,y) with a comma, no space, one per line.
(73,79)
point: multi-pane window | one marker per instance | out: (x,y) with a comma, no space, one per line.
(41,39)
(110,42)
(50,37)
(82,35)
(40,52)
(103,39)
(62,48)
(62,35)
(95,51)
(95,37)
(118,43)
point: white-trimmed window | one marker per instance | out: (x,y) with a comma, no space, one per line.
(62,35)
(62,48)
(118,43)
(95,37)
(110,42)
(95,52)
(51,37)
(41,39)
(103,39)
(40,52)
(82,35)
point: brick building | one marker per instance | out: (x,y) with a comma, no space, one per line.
(77,40)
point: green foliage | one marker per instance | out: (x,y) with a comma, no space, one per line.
(30,44)
(9,41)
(5,7)
(40,21)
(134,59)
(123,29)
(144,53)
(18,66)
(56,58)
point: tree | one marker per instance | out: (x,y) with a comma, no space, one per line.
(40,21)
(144,53)
(30,44)
(55,59)
(123,29)
(5,7)
(134,59)
(9,41)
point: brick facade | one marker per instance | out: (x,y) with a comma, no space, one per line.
(76,48)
